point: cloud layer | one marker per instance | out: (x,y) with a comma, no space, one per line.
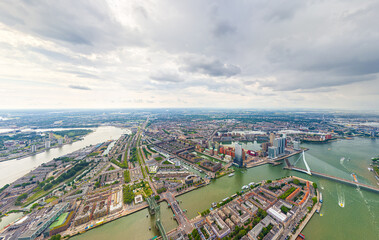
(254,54)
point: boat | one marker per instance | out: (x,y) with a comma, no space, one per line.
(301,236)
(355,177)
(321,214)
(245,187)
(320,197)
(342,204)
(231,175)
(370,169)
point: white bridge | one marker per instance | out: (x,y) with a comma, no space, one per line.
(323,175)
(308,171)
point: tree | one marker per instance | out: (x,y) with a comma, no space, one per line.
(56,237)
(296,181)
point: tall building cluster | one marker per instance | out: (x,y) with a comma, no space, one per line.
(278,147)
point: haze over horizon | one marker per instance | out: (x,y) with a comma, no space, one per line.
(181,54)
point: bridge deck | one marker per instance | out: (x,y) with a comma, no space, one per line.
(362,185)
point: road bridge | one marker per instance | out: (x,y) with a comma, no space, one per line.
(323,175)
(180,217)
(154,209)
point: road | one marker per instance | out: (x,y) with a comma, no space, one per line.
(184,223)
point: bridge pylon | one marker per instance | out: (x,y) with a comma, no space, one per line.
(306,165)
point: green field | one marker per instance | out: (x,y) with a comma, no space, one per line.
(59,221)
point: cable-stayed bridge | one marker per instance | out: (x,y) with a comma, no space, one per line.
(310,172)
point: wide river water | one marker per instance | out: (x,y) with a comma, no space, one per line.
(358,219)
(14,169)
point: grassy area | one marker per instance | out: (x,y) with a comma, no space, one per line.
(287,193)
(147,153)
(209,157)
(41,193)
(151,149)
(59,221)
(49,200)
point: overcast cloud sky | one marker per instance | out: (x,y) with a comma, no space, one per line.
(232,54)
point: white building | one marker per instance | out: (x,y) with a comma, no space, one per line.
(33,148)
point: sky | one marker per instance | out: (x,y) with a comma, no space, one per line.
(270,54)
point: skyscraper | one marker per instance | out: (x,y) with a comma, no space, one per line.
(238,155)
(280,143)
(272,152)
(272,138)
(47,144)
(33,148)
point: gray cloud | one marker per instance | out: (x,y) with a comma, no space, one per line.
(166,77)
(252,48)
(224,28)
(79,87)
(210,67)
(80,25)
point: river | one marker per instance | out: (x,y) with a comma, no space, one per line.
(359,219)
(14,169)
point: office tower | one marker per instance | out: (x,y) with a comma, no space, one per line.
(47,144)
(272,152)
(238,155)
(272,138)
(280,143)
(265,146)
(33,148)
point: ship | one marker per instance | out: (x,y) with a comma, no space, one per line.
(320,197)
(231,175)
(355,177)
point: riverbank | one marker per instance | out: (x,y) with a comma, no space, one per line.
(13,169)
(74,231)
(41,151)
(304,223)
